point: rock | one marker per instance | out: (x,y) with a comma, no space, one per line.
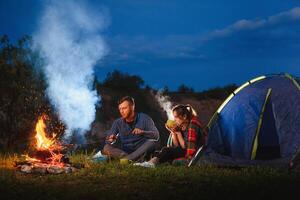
(68,170)
(26,169)
(39,170)
(55,170)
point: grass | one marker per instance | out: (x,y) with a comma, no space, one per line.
(115,181)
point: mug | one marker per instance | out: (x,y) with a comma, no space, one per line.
(124,161)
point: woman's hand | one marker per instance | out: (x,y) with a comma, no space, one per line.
(180,139)
(174,138)
(176,133)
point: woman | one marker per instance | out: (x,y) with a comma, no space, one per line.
(187,137)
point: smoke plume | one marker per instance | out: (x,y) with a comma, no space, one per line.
(68,37)
(165,104)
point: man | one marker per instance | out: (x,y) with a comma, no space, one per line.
(136,131)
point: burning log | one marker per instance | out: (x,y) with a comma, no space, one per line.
(42,155)
(46,156)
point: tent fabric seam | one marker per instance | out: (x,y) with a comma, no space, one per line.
(293,80)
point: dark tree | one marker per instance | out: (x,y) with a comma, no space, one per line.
(120,80)
(22,91)
(218,92)
(185,89)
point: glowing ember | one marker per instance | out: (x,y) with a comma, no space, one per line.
(31,159)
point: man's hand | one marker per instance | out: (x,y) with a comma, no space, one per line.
(137,131)
(111,138)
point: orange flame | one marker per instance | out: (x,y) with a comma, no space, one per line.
(42,141)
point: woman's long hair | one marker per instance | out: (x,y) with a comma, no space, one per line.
(185,111)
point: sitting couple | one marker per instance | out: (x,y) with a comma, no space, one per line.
(138,135)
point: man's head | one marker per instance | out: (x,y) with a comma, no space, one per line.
(126,107)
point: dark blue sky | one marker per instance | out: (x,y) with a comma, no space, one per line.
(201,43)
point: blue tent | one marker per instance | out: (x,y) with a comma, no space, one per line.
(259,123)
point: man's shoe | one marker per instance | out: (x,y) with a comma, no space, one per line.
(99,157)
(145,164)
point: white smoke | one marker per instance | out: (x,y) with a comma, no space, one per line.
(165,104)
(68,37)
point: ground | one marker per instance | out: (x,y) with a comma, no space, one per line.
(115,181)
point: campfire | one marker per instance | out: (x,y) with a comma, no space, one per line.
(49,154)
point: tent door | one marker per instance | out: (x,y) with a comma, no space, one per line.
(267,138)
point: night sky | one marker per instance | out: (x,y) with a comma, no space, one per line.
(199,43)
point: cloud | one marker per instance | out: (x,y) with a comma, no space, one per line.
(240,25)
(142,48)
(139,48)
(246,25)
(291,15)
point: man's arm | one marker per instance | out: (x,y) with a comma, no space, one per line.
(149,131)
(111,135)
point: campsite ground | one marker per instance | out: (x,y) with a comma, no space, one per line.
(115,181)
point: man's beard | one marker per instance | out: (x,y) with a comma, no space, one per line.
(128,115)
